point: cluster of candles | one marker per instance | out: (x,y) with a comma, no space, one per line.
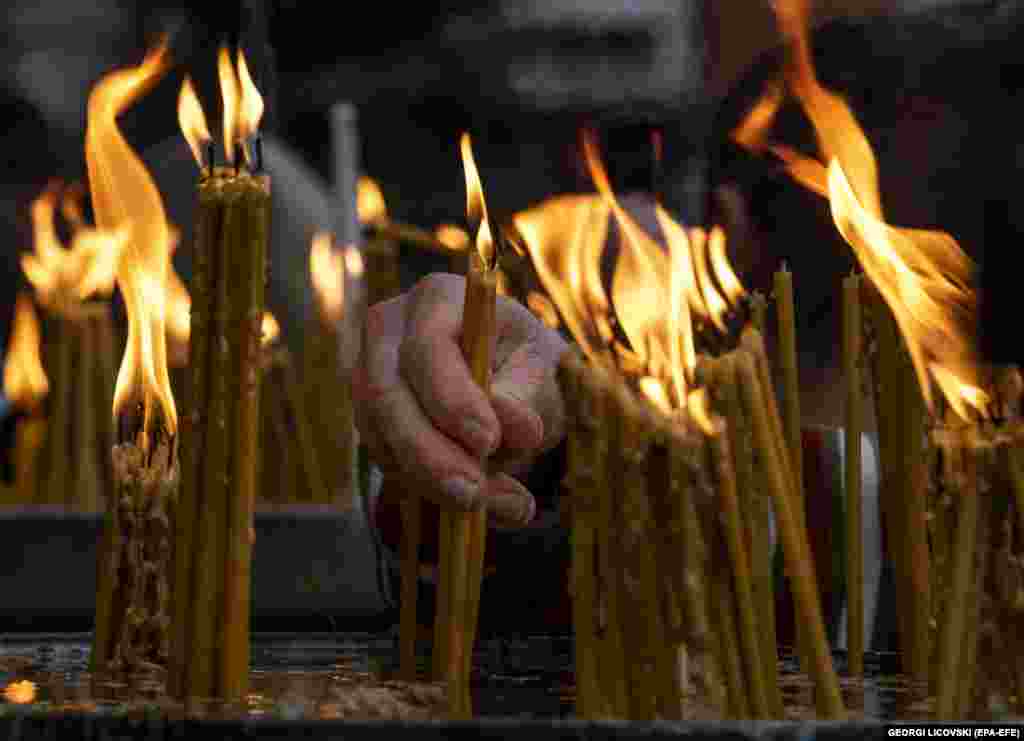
(679,452)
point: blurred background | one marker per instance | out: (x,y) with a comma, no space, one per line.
(934,82)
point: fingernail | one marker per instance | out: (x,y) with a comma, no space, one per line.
(512,510)
(477,435)
(464,492)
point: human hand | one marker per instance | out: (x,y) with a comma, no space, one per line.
(428,423)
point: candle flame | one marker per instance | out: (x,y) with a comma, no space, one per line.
(370,204)
(699,407)
(63,276)
(327,270)
(655,295)
(20,693)
(179,317)
(476,207)
(713,300)
(923,276)
(25,382)
(452,237)
(753,130)
(192,121)
(243,104)
(354,261)
(270,330)
(125,197)
(250,110)
(229,94)
(654,390)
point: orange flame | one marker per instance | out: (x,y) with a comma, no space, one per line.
(753,130)
(192,120)
(452,237)
(125,197)
(250,111)
(655,290)
(713,300)
(699,407)
(370,204)
(179,312)
(61,275)
(476,208)
(20,693)
(327,269)
(25,382)
(354,261)
(923,276)
(270,330)
(243,104)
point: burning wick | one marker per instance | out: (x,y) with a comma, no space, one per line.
(243,110)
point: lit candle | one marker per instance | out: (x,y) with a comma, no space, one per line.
(133,582)
(220,458)
(26,386)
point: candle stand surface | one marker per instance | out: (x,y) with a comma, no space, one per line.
(330,685)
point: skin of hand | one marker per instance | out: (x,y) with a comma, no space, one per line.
(427,422)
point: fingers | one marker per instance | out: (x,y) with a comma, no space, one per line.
(431,361)
(394,424)
(406,442)
(526,396)
(508,502)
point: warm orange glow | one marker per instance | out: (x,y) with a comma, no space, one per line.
(229,95)
(62,276)
(753,130)
(543,309)
(354,261)
(20,693)
(370,203)
(327,270)
(476,207)
(713,300)
(25,382)
(243,105)
(699,407)
(250,107)
(71,205)
(565,236)
(655,392)
(682,293)
(655,291)
(270,330)
(722,270)
(923,276)
(192,121)
(452,237)
(124,196)
(179,308)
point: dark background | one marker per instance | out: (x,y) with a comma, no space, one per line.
(934,84)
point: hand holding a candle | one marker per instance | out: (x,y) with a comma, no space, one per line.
(423,416)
